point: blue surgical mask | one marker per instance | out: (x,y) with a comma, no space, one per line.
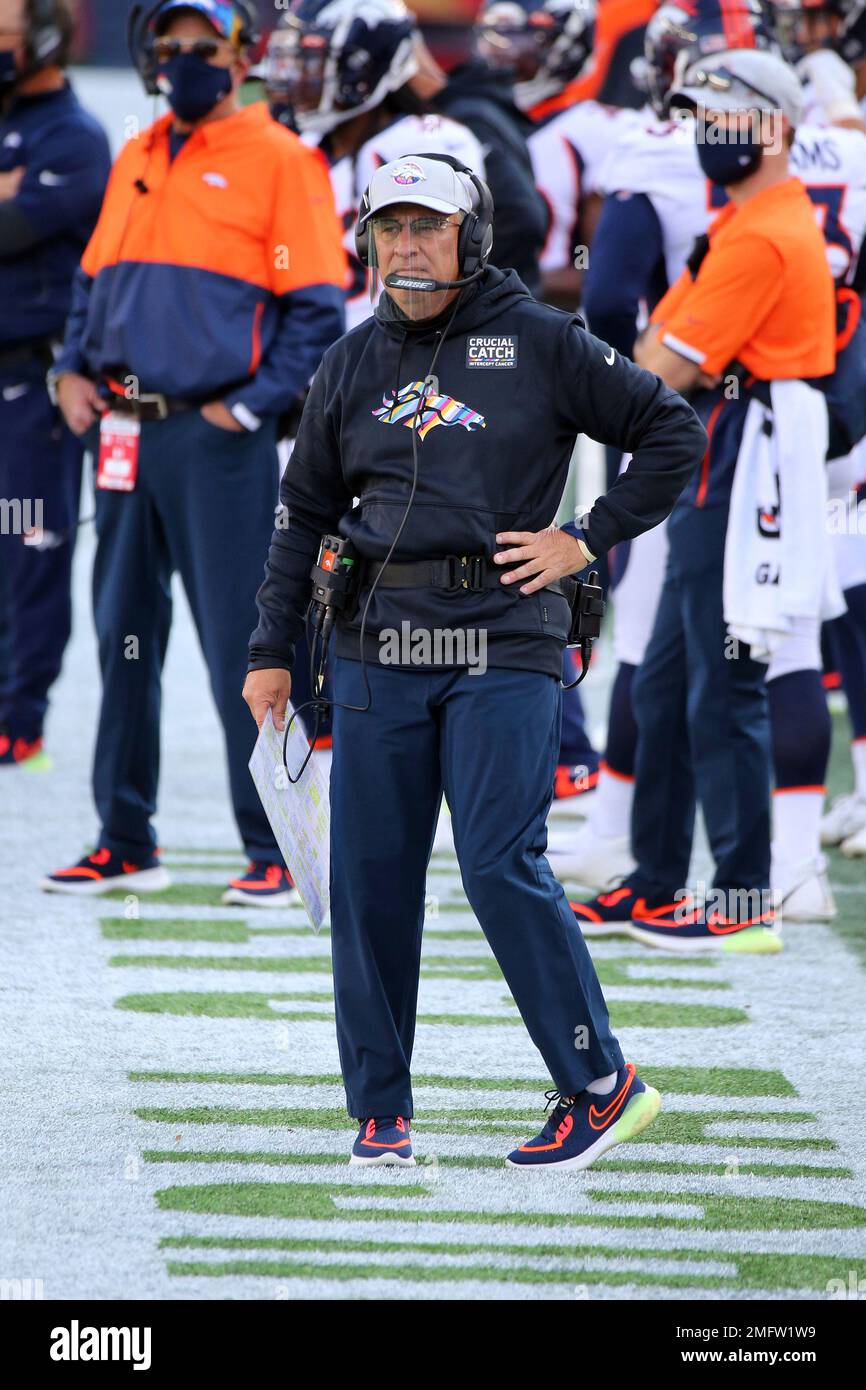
(9,74)
(192,86)
(730,162)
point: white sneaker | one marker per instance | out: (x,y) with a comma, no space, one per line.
(854,845)
(596,861)
(802,893)
(844,818)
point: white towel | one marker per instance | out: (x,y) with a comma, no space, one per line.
(777,550)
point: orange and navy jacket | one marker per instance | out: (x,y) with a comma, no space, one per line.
(616,23)
(218,274)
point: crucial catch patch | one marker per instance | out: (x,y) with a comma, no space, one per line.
(497,350)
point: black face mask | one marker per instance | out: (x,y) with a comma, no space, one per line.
(192,86)
(728,162)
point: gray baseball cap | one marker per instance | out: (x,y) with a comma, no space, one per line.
(740,79)
(428,182)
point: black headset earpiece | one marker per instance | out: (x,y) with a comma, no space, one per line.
(140,50)
(362,230)
(49,28)
(475,241)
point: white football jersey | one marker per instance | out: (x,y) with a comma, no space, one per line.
(568,156)
(351,175)
(659,159)
(831,161)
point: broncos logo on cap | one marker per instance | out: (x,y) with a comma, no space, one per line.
(402,407)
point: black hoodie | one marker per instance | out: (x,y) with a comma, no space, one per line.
(493,454)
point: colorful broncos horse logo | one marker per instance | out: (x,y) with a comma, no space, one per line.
(434,410)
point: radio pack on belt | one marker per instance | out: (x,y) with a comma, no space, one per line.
(335,582)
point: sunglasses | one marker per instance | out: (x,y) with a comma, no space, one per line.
(425,228)
(721,80)
(208,49)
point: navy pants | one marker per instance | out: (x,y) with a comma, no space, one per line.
(203,506)
(703,727)
(490,742)
(575,748)
(40,474)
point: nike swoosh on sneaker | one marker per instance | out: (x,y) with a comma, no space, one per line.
(600,1119)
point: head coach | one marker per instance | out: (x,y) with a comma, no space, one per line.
(422,452)
(204,301)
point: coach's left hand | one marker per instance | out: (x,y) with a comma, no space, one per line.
(548,555)
(218,414)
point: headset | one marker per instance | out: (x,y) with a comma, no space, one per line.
(141,48)
(474,240)
(49,29)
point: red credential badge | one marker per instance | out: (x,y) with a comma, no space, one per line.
(119,437)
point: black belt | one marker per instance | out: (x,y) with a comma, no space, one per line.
(451,572)
(21,354)
(150,405)
(147,405)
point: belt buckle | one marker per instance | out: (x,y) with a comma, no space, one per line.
(455,573)
(472,573)
(155,398)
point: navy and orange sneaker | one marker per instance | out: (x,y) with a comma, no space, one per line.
(263,885)
(574,781)
(102,872)
(608,914)
(383,1141)
(583,1127)
(14,751)
(697,930)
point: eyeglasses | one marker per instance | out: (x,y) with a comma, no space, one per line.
(425,228)
(166,49)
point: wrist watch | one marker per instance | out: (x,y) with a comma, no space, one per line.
(51,381)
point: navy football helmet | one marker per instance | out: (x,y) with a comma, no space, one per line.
(697,28)
(330,60)
(809,24)
(542,44)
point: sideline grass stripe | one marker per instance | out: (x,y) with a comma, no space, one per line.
(670,1127)
(758,1271)
(624,1013)
(610,972)
(280,1160)
(426,1274)
(318,1202)
(450,1273)
(180,894)
(779,1272)
(710,1081)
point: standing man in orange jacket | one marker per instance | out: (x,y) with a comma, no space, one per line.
(208,293)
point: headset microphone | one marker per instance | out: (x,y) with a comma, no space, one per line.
(408,282)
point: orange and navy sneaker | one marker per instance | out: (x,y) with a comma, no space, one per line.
(583,1127)
(573,781)
(383,1141)
(102,872)
(14,751)
(263,885)
(699,929)
(608,914)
